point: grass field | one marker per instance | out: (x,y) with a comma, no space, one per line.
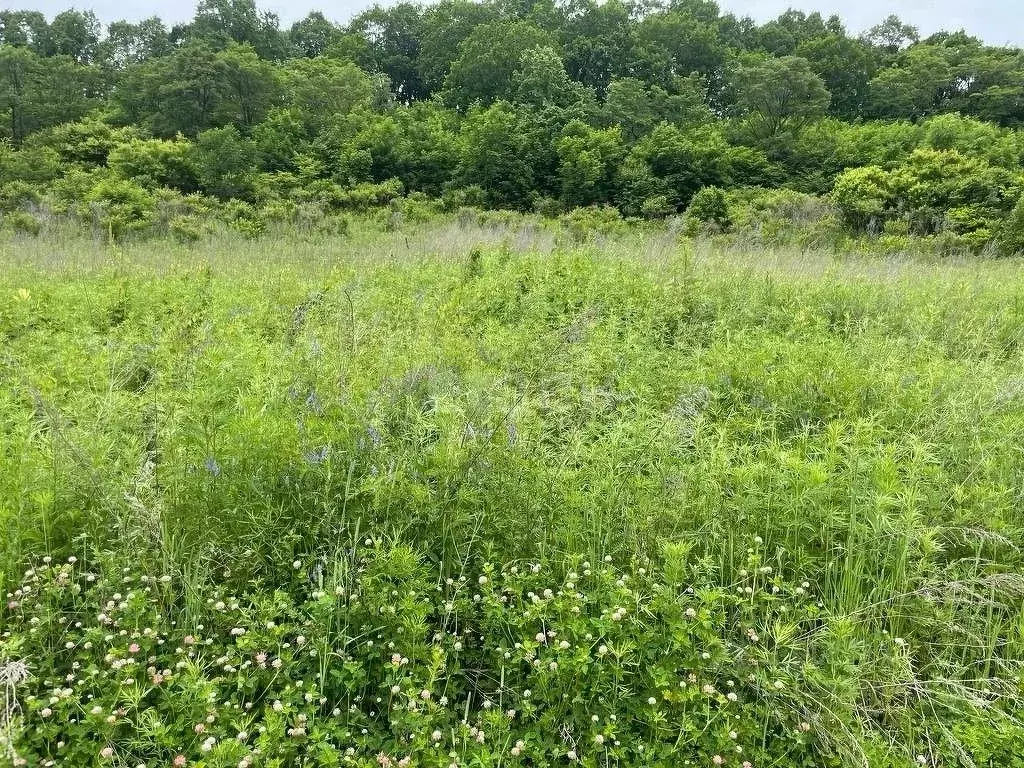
(482,495)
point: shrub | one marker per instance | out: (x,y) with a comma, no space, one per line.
(584,223)
(23,222)
(121,206)
(223,160)
(86,143)
(709,207)
(548,207)
(188,229)
(364,196)
(863,196)
(1010,238)
(456,197)
(15,195)
(657,207)
(154,163)
(243,218)
(29,164)
(780,216)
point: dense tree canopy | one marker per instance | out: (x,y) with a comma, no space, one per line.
(522,103)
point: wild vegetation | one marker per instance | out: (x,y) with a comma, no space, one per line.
(547,106)
(499,491)
(509,384)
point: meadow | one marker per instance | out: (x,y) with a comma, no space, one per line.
(496,493)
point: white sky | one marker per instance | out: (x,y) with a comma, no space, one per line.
(995,21)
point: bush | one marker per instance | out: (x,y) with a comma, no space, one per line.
(154,163)
(456,197)
(243,218)
(23,222)
(86,143)
(16,195)
(1010,238)
(709,207)
(863,196)
(223,161)
(784,216)
(28,165)
(364,196)
(584,223)
(188,229)
(121,206)
(657,207)
(548,207)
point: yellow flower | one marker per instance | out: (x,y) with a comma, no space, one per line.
(23,294)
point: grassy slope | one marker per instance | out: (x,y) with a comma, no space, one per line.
(240,405)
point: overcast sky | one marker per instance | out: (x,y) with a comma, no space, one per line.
(995,21)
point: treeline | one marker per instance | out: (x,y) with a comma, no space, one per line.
(516,104)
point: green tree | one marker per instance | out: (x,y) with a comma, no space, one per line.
(224,161)
(313,35)
(793,29)
(249,85)
(494,157)
(75,34)
(26,29)
(541,81)
(845,66)
(687,44)
(588,163)
(394,34)
(317,91)
(218,22)
(598,42)
(445,26)
(918,84)
(778,94)
(177,93)
(37,92)
(637,107)
(892,35)
(128,44)
(488,59)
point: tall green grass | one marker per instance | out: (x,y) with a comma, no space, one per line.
(500,392)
